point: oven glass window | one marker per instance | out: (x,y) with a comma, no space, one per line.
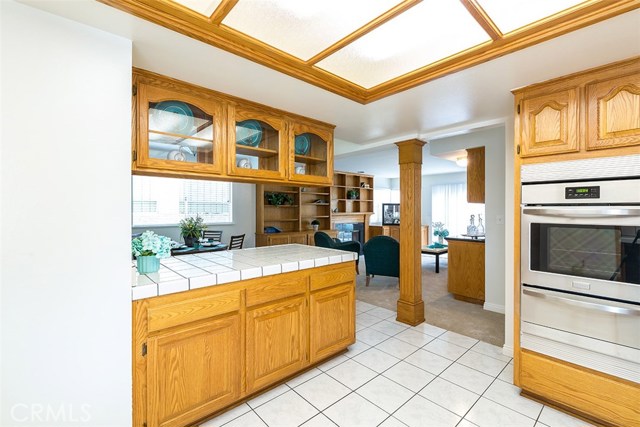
(594,251)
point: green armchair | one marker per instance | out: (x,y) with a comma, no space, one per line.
(382,257)
(323,240)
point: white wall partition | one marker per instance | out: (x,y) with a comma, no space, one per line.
(493,140)
(65,222)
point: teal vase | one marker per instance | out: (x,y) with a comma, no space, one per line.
(148,264)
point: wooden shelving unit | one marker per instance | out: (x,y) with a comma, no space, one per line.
(343,183)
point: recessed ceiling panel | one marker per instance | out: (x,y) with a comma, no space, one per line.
(203,7)
(510,15)
(303,28)
(426,33)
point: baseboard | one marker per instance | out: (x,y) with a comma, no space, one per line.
(493,307)
(507,350)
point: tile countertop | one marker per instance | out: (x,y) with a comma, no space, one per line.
(185,272)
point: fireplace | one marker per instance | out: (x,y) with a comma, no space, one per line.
(351,232)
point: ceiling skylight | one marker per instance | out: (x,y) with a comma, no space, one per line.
(510,15)
(203,7)
(427,33)
(303,28)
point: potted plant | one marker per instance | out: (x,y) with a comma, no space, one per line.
(148,248)
(353,193)
(191,229)
(315,223)
(277,199)
(440,232)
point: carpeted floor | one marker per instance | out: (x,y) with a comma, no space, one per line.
(441,309)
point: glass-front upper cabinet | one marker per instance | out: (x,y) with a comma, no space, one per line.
(178,132)
(310,154)
(257,143)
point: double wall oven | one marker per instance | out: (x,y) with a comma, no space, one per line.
(580,272)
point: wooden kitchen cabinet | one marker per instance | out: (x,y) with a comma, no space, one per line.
(258,143)
(332,319)
(594,113)
(475,175)
(394,231)
(193,370)
(183,130)
(177,131)
(199,351)
(613,112)
(310,153)
(465,274)
(550,123)
(276,341)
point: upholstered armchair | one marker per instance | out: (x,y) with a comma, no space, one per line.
(382,257)
(325,241)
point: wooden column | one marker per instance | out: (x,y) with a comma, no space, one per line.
(410,304)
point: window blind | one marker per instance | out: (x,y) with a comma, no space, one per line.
(165,201)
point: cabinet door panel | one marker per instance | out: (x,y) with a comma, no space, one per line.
(613,113)
(310,154)
(550,124)
(193,371)
(332,320)
(178,132)
(278,240)
(276,342)
(298,238)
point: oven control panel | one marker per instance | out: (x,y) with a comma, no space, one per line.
(590,192)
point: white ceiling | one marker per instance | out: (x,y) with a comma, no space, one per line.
(462,100)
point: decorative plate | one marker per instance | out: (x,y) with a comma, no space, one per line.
(302,144)
(172,117)
(244,163)
(248,132)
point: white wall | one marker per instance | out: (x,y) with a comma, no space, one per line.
(509,236)
(494,142)
(244,218)
(65,222)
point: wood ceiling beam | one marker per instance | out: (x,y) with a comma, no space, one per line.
(482,18)
(185,21)
(222,11)
(370,26)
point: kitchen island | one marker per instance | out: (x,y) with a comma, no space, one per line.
(212,329)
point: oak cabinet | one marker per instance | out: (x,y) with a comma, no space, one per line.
(594,113)
(475,175)
(613,112)
(192,370)
(466,270)
(332,320)
(258,143)
(178,132)
(183,130)
(276,342)
(310,153)
(550,123)
(394,231)
(200,351)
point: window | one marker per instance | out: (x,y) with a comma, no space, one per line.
(449,206)
(165,201)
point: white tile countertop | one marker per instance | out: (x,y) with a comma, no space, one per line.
(185,272)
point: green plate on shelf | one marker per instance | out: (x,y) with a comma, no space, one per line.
(248,132)
(302,144)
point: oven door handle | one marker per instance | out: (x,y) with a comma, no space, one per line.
(582,213)
(584,304)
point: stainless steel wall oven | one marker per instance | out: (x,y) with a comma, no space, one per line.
(580,271)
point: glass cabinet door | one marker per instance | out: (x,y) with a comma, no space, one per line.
(178,132)
(311,154)
(257,144)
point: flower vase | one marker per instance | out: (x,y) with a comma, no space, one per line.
(441,239)
(148,264)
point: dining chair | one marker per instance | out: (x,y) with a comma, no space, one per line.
(236,242)
(215,235)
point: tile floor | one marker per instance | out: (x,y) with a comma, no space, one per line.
(395,375)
